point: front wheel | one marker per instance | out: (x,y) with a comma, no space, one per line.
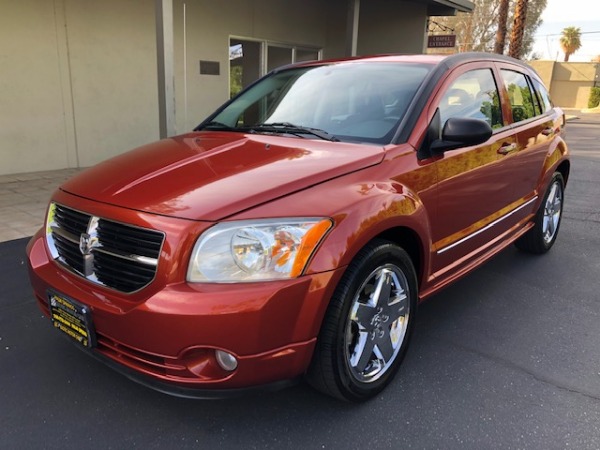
(368,324)
(542,236)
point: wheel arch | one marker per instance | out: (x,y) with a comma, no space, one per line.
(410,241)
(400,219)
(557,160)
(564,168)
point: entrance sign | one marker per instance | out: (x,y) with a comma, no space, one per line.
(441,40)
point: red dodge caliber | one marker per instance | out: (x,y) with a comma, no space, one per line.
(293,233)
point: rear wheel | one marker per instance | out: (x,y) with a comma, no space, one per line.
(542,236)
(368,324)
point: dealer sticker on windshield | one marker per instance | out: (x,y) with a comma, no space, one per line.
(72,318)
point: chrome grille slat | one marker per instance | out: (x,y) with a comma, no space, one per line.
(117,267)
(123,257)
(69,254)
(72,221)
(129,257)
(74,238)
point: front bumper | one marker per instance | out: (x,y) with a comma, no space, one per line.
(166,337)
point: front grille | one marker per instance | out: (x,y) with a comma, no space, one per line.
(112,254)
(136,241)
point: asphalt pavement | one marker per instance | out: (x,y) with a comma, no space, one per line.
(508,357)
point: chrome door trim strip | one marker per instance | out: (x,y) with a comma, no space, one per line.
(487,227)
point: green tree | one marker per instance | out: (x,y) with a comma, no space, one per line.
(570,41)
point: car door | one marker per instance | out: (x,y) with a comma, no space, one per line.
(535,124)
(474,190)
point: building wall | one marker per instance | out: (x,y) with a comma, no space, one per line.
(391,27)
(33,135)
(78,82)
(78,79)
(113,76)
(544,69)
(569,82)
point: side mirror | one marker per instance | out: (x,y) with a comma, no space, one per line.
(461,132)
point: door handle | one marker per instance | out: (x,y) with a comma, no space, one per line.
(507,148)
(548,131)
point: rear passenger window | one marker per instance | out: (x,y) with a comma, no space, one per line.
(543,95)
(519,94)
(537,109)
(474,94)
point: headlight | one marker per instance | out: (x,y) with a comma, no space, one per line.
(253,250)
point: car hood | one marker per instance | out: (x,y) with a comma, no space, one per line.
(213,175)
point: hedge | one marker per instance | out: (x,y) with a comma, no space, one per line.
(594,97)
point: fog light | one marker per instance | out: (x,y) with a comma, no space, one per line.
(226,360)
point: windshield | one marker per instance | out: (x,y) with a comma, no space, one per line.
(356,102)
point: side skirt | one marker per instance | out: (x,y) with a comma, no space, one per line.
(440,279)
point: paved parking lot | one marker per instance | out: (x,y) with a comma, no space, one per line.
(508,357)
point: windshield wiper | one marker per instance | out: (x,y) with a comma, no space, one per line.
(287,127)
(215,125)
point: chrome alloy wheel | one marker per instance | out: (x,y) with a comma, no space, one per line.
(377,323)
(552,211)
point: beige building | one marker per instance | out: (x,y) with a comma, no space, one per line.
(569,83)
(79,81)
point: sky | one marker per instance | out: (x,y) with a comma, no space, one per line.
(560,14)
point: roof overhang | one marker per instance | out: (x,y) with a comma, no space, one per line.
(448,7)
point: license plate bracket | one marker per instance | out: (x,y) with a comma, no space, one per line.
(72,318)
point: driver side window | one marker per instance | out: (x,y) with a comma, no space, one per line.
(473,95)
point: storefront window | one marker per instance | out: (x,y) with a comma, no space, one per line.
(251,59)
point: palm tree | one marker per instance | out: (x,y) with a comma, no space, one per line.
(501,33)
(516,36)
(570,41)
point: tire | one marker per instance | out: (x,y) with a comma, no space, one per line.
(367,326)
(541,237)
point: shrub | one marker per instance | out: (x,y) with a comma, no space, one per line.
(594,97)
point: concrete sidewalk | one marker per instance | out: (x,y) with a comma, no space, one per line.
(24,198)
